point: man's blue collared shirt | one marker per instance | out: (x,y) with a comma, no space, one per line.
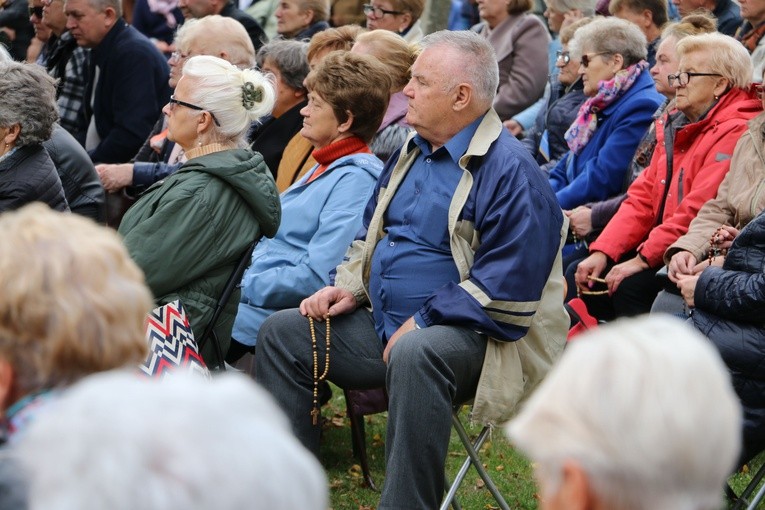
(414,257)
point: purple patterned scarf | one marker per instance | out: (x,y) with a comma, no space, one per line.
(586,122)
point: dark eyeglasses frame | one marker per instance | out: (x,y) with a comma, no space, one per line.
(682,82)
(369,9)
(563,55)
(587,57)
(174,101)
(36,11)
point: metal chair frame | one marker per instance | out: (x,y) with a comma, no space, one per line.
(234,280)
(472,448)
(742,501)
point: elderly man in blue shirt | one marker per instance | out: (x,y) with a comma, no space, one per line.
(452,291)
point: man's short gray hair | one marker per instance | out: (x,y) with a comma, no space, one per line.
(646,407)
(102,5)
(28,99)
(181,442)
(477,62)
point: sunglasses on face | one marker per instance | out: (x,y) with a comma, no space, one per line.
(587,57)
(562,56)
(36,12)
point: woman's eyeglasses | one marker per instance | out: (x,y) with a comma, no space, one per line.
(177,56)
(174,102)
(562,56)
(683,78)
(377,11)
(587,57)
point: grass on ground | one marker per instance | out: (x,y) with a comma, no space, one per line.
(511,472)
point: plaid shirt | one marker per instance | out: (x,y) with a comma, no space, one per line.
(70,63)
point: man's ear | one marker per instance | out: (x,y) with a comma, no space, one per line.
(463,94)
(111,16)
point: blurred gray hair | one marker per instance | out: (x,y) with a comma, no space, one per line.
(18,84)
(586,7)
(610,35)
(646,407)
(123,442)
(290,57)
(477,63)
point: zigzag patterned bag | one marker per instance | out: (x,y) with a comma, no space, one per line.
(171,343)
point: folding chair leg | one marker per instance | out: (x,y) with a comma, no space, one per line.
(455,504)
(742,501)
(756,501)
(472,451)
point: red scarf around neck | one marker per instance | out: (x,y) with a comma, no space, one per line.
(336,150)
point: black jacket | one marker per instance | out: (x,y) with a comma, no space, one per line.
(561,110)
(271,136)
(730,310)
(82,186)
(15,15)
(28,175)
(127,101)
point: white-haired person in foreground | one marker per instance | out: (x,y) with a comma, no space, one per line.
(638,415)
(123,442)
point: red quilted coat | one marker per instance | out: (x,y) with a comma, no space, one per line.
(661,203)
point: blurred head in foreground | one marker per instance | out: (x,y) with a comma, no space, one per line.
(639,414)
(124,442)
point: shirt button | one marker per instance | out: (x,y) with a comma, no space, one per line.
(416,191)
(428,160)
(391,244)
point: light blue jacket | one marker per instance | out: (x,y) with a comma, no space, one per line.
(319,221)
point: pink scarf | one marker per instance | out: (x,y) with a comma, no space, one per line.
(586,122)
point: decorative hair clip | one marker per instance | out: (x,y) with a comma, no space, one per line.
(251,95)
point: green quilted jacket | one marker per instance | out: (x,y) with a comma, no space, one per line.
(189,231)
